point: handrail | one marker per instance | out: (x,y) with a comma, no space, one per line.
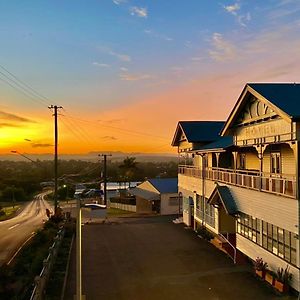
(242,171)
(278,185)
(234,249)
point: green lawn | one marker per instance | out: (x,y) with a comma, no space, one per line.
(114,212)
(9,211)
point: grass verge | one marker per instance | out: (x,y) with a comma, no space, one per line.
(115,212)
(17,279)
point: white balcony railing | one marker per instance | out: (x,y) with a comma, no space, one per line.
(283,184)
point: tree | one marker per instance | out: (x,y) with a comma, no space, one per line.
(129,167)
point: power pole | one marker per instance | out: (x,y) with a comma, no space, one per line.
(55,109)
(105,175)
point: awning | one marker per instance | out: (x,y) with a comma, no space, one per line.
(222,194)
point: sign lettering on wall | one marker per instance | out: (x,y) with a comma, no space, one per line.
(271,128)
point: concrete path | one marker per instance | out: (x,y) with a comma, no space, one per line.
(152,258)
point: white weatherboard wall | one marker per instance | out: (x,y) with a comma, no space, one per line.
(278,210)
(253,251)
(165,207)
(275,209)
(186,213)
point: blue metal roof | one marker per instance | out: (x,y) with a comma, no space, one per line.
(165,185)
(225,196)
(198,131)
(221,143)
(285,96)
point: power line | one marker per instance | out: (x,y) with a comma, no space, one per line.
(22,91)
(27,86)
(120,129)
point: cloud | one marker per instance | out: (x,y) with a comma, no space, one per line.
(120,56)
(109,137)
(233,8)
(243,19)
(12,117)
(158,35)
(118,2)
(41,145)
(100,64)
(134,77)
(123,69)
(4,124)
(223,49)
(139,11)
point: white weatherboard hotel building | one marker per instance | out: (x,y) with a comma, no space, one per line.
(242,182)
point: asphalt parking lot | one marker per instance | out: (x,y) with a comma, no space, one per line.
(152,258)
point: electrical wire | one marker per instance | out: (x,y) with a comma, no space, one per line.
(119,129)
(23,84)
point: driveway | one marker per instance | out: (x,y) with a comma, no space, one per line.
(152,258)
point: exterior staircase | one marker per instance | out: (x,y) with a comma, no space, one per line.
(227,244)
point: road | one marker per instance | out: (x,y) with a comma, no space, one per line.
(14,232)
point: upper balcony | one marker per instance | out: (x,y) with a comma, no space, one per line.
(282,184)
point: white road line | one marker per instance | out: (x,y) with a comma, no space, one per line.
(13,226)
(32,234)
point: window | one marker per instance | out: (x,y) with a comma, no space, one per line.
(280,242)
(276,240)
(275,163)
(249,227)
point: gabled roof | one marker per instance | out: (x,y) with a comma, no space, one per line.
(284,98)
(223,194)
(197,131)
(222,143)
(144,194)
(165,185)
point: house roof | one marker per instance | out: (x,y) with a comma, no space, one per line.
(285,96)
(223,194)
(144,194)
(197,131)
(165,185)
(221,143)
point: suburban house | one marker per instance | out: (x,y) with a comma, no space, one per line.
(159,195)
(243,184)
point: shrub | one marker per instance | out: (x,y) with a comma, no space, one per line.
(260,265)
(283,275)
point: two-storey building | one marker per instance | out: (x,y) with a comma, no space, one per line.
(243,185)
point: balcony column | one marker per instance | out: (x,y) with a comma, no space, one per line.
(217,158)
(260,154)
(235,155)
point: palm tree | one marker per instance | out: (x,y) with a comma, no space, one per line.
(129,166)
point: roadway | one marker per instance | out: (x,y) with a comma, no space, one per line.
(16,231)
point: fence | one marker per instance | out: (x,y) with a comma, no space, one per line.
(41,280)
(127,207)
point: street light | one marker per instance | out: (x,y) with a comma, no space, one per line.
(17,152)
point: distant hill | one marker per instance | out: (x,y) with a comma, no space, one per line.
(93,156)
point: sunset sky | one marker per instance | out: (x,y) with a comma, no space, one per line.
(127,71)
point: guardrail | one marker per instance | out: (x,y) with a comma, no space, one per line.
(42,279)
